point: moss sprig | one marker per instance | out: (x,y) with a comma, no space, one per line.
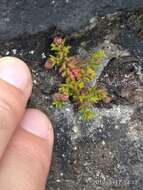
(78,75)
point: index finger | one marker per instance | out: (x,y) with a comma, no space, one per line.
(15,89)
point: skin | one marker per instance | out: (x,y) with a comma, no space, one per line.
(26,135)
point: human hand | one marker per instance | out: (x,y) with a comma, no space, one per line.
(26,136)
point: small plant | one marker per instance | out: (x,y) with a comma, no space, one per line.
(78,76)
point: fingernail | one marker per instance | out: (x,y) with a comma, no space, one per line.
(37,123)
(15,72)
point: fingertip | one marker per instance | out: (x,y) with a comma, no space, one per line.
(28,156)
(15,72)
(37,123)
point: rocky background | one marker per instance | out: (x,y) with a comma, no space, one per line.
(107,153)
(31,16)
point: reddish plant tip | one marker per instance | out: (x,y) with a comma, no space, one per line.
(77,73)
(49,65)
(74,70)
(62,97)
(59,40)
(107,100)
(74,61)
(74,74)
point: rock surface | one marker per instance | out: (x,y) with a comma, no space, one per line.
(107,153)
(19,17)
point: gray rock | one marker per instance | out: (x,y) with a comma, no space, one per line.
(106,153)
(33,16)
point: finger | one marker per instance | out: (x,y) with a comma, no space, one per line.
(15,89)
(26,163)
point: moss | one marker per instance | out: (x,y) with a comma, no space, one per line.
(78,75)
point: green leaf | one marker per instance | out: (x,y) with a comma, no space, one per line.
(97,58)
(57,104)
(86,114)
(81,84)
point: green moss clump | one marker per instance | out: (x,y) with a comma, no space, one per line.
(78,75)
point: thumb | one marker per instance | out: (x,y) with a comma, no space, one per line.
(15,89)
(26,162)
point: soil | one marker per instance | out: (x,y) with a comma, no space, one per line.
(106,153)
